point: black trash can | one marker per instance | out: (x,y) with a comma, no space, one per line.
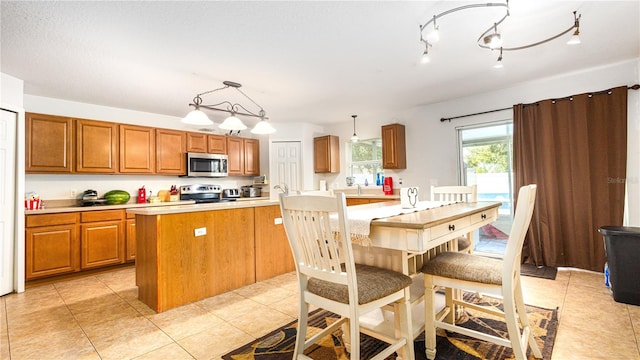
(622,245)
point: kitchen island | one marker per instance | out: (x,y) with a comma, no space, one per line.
(186,253)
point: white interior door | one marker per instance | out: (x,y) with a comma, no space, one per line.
(8,121)
(286,158)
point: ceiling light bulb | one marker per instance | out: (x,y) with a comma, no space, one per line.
(575,39)
(494,41)
(196,117)
(263,127)
(425,57)
(498,64)
(354,138)
(434,35)
(232,123)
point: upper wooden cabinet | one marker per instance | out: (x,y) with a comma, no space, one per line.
(137,149)
(244,156)
(204,143)
(49,144)
(326,154)
(170,152)
(394,154)
(251,157)
(96,147)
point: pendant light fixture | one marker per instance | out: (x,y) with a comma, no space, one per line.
(231,123)
(354,138)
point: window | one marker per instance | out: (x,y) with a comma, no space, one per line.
(366,160)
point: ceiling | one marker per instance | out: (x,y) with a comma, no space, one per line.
(317,62)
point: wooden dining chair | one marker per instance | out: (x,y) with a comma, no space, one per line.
(493,277)
(328,277)
(457,194)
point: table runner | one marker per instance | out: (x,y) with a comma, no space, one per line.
(359,219)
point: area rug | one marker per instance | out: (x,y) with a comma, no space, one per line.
(491,232)
(279,344)
(544,272)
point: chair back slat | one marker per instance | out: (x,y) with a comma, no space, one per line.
(454,193)
(318,247)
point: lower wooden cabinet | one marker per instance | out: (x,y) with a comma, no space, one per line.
(130,246)
(102,238)
(52,246)
(273,254)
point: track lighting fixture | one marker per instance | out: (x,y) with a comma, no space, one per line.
(491,39)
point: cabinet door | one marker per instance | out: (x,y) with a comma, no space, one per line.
(251,157)
(235,153)
(356,201)
(394,154)
(51,250)
(217,144)
(102,244)
(196,142)
(273,254)
(131,240)
(49,144)
(170,152)
(137,149)
(96,147)
(326,154)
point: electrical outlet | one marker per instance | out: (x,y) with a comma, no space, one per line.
(73,193)
(201,231)
(277,221)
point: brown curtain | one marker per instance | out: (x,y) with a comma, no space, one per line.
(575,150)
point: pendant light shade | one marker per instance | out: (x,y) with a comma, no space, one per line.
(354,138)
(197,117)
(232,123)
(263,127)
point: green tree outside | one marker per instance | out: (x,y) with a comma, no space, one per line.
(491,158)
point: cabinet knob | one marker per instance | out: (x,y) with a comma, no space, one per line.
(483,216)
(452,227)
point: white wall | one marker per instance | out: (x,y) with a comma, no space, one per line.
(432,145)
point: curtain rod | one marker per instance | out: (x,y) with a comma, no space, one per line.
(632,87)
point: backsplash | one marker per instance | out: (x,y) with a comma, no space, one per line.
(59,187)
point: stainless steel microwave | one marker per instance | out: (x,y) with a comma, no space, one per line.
(207,165)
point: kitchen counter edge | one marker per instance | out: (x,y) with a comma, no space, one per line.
(176,209)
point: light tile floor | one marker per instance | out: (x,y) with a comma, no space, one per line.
(99,317)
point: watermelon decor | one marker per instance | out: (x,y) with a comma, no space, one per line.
(116,197)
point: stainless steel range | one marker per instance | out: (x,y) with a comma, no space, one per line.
(202,193)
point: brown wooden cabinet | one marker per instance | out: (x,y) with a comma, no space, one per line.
(170,152)
(52,246)
(96,147)
(102,238)
(251,157)
(244,156)
(273,254)
(204,143)
(137,149)
(217,144)
(49,143)
(130,238)
(326,154)
(394,154)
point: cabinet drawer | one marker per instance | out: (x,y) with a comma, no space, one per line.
(130,216)
(51,219)
(449,227)
(92,216)
(491,215)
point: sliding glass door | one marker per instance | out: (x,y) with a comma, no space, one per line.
(486,161)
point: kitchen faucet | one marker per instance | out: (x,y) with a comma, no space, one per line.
(282,187)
